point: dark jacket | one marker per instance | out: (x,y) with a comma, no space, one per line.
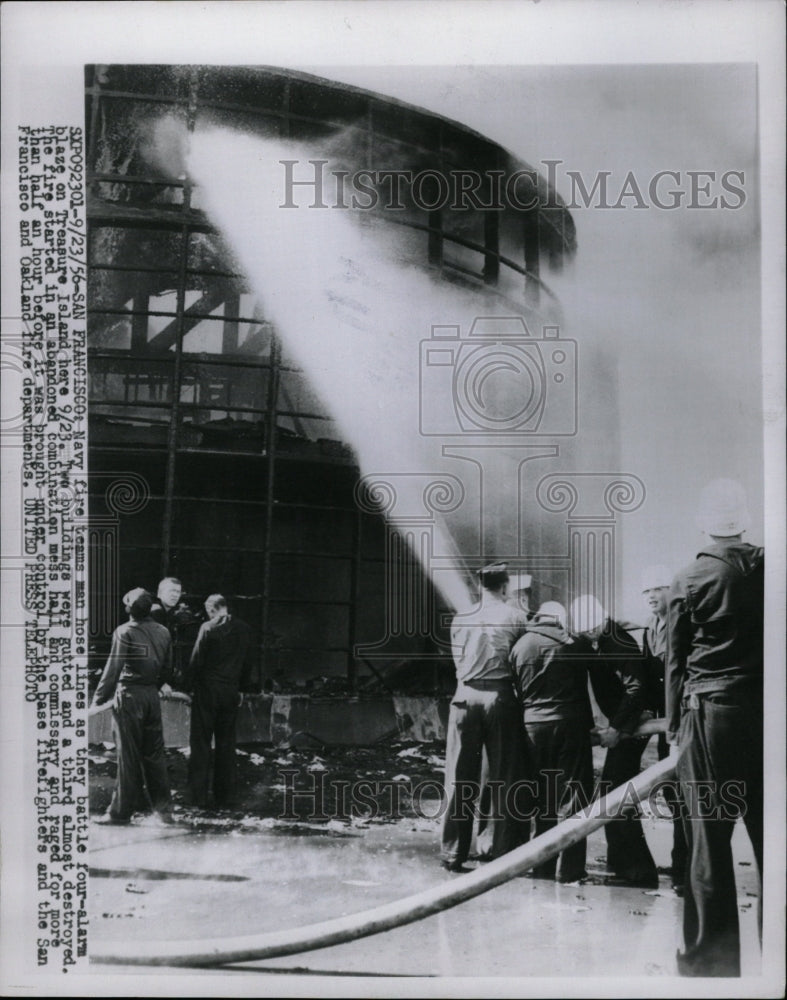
(618,675)
(222,654)
(141,654)
(551,682)
(183,624)
(716,624)
(654,647)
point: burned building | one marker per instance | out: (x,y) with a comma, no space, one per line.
(211,456)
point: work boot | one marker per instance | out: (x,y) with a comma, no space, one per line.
(455,867)
(576,878)
(107,819)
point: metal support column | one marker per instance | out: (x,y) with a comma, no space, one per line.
(270,457)
(177,372)
(355,594)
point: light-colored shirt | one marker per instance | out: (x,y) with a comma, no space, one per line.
(482,639)
(656,636)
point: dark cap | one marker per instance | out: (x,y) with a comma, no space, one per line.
(494,575)
(138,603)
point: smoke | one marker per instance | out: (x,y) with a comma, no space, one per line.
(352,314)
(663,304)
(668,299)
(674,294)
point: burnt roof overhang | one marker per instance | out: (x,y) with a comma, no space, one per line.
(308,107)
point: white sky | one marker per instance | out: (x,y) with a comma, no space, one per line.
(672,295)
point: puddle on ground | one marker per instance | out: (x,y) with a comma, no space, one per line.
(160,875)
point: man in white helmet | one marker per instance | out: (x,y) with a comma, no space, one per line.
(617,674)
(656,580)
(553,691)
(714,713)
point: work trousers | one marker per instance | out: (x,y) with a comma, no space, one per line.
(720,771)
(139,741)
(562,765)
(674,802)
(485,719)
(628,854)
(214,712)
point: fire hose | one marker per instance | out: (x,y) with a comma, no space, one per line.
(272,944)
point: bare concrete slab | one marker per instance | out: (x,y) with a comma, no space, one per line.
(263,874)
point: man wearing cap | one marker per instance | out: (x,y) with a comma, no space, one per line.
(715,715)
(220,669)
(656,581)
(553,691)
(137,671)
(484,716)
(617,674)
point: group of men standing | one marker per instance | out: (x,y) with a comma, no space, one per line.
(520,730)
(521,726)
(149,655)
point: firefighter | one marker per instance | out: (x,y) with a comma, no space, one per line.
(484,716)
(656,582)
(616,667)
(136,674)
(553,690)
(715,717)
(169,610)
(165,608)
(220,669)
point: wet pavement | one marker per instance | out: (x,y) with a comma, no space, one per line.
(208,879)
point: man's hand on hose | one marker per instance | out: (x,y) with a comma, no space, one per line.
(609,737)
(165,691)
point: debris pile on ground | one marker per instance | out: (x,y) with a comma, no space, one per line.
(338,788)
(306,787)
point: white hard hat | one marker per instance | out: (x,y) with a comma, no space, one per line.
(656,576)
(553,609)
(723,510)
(587,613)
(520,581)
